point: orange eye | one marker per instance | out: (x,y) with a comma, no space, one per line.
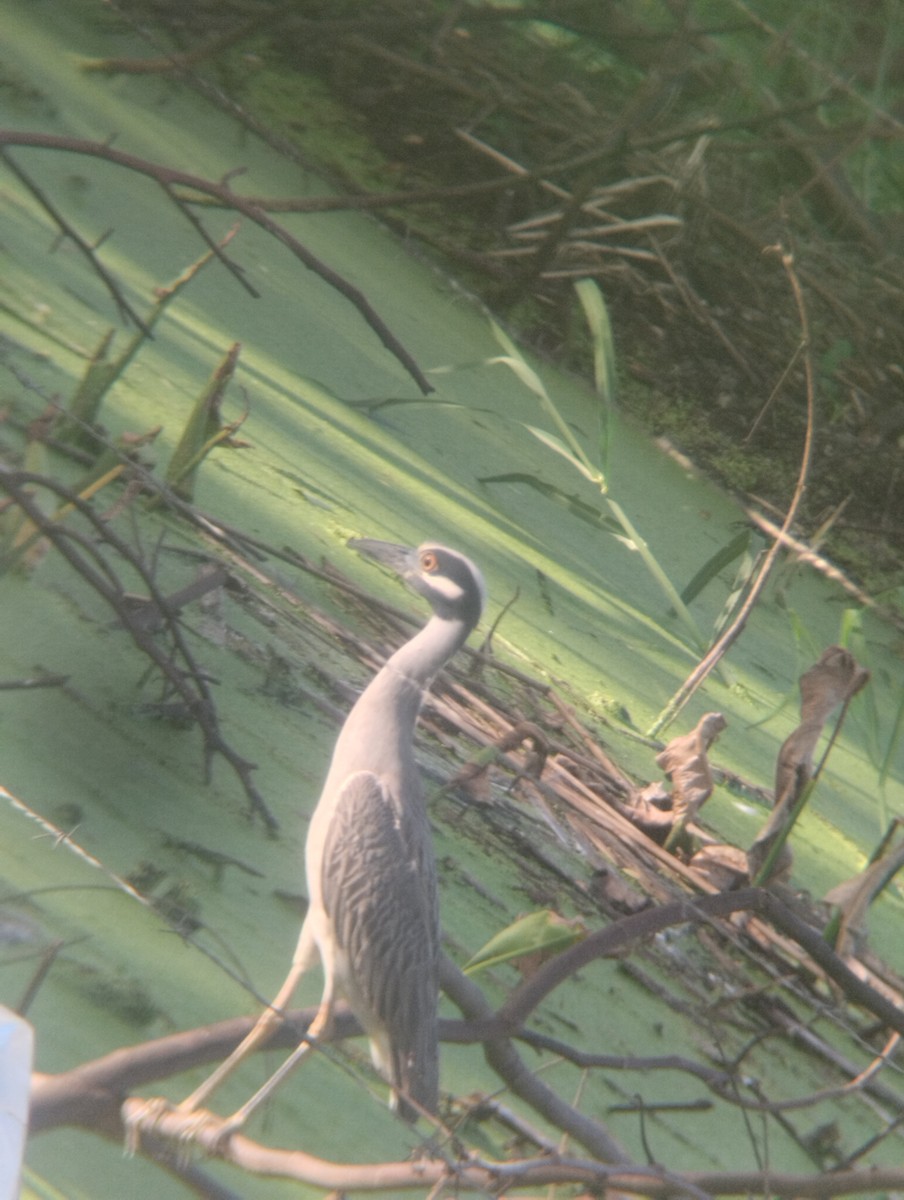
(429,561)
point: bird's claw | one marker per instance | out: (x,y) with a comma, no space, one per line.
(142,1116)
(188,1127)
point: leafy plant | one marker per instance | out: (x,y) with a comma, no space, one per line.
(103,372)
(563,441)
(203,430)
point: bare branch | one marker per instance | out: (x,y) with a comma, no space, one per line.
(168,179)
(69,231)
(627,930)
(716,652)
(507,1063)
(190,684)
(91,1094)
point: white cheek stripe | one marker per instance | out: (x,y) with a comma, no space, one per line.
(445,587)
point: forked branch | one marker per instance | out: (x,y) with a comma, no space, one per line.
(177,666)
(182,188)
(91,1095)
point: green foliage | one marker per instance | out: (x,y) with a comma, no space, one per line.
(102,372)
(564,443)
(714,565)
(540,933)
(18,533)
(596,315)
(99,375)
(203,430)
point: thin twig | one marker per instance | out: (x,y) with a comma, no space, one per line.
(69,231)
(168,179)
(191,685)
(712,658)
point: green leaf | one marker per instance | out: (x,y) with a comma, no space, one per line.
(102,372)
(504,340)
(743,576)
(540,932)
(716,563)
(516,362)
(597,316)
(524,371)
(203,430)
(657,572)
(575,505)
(556,443)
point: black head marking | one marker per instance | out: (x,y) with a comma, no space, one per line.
(450,581)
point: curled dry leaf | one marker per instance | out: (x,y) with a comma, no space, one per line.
(853,897)
(832,681)
(685,763)
(724,867)
(650,809)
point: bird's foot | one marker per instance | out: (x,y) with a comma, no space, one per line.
(428,1149)
(188,1127)
(142,1116)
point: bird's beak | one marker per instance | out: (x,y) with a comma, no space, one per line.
(397,558)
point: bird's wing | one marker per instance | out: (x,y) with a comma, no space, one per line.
(379,892)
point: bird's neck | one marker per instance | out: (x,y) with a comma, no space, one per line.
(421,657)
(383,719)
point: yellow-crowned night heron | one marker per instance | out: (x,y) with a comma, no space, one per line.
(372,918)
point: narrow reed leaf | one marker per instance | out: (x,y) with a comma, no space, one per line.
(656,571)
(524,371)
(597,317)
(600,328)
(716,563)
(575,505)
(744,574)
(556,443)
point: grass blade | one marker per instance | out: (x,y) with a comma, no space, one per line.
(713,565)
(659,575)
(597,317)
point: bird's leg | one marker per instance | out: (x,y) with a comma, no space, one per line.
(319,1028)
(261,1031)
(146,1114)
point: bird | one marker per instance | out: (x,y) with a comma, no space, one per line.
(372,917)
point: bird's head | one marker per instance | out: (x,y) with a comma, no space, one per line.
(447,579)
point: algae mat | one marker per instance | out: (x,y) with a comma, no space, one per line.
(99,759)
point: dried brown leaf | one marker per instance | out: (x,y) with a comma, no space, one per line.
(835,678)
(854,897)
(685,762)
(832,681)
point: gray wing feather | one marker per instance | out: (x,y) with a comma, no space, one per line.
(379,892)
